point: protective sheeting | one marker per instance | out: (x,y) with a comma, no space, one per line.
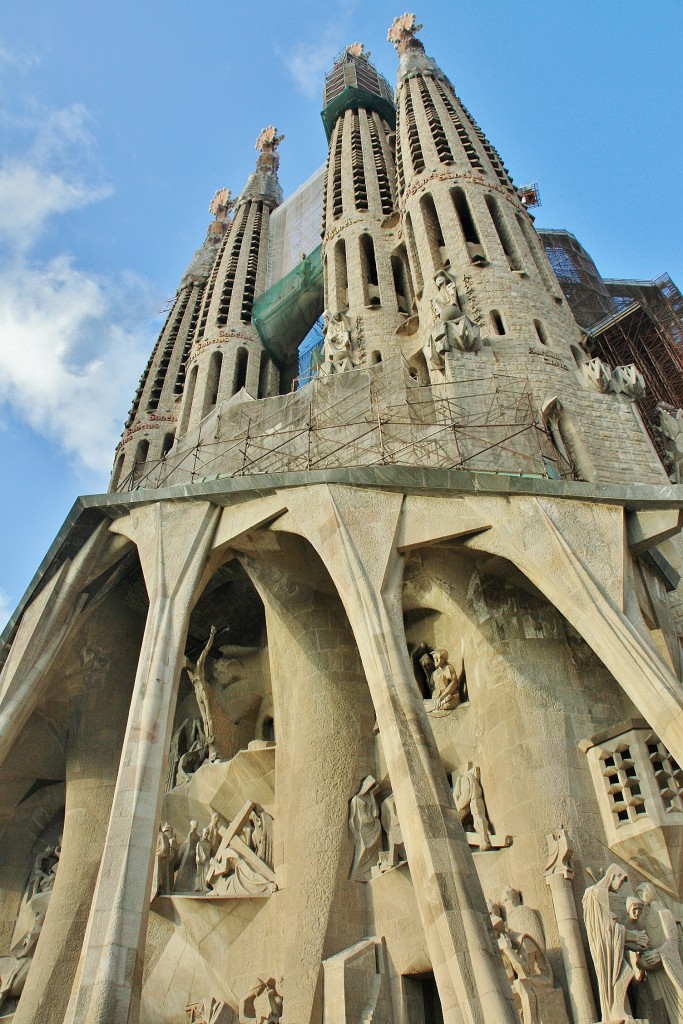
(294,228)
(285,313)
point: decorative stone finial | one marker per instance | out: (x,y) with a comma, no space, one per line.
(358,50)
(402,32)
(269,139)
(221,204)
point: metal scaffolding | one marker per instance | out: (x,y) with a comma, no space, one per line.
(368,417)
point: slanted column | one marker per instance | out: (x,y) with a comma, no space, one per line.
(358,546)
(45,626)
(173,541)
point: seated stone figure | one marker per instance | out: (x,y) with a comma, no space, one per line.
(453,330)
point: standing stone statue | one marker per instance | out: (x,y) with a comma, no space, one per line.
(262,835)
(261,1004)
(469,802)
(663,956)
(607,943)
(214,832)
(187,868)
(202,856)
(167,852)
(365,828)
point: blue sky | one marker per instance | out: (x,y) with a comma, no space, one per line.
(119,121)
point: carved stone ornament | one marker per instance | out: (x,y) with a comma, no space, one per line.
(268,139)
(222,203)
(262,1003)
(613,947)
(629,381)
(559,855)
(365,828)
(358,50)
(597,374)
(403,30)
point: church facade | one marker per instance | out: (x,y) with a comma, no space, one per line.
(358,700)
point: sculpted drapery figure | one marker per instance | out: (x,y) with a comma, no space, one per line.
(366,829)
(202,859)
(445,681)
(453,329)
(662,958)
(337,334)
(396,851)
(187,867)
(607,943)
(469,802)
(166,853)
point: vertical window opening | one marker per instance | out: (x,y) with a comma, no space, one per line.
(264,376)
(240,377)
(539,258)
(189,399)
(412,250)
(403,298)
(416,157)
(360,190)
(212,382)
(369,264)
(141,453)
(336,170)
(167,444)
(437,246)
(505,238)
(541,332)
(497,322)
(341,278)
(469,228)
(116,475)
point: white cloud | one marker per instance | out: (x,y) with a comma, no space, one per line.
(6,609)
(308,63)
(68,363)
(15,60)
(72,343)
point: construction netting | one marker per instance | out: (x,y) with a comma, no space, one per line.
(294,228)
(285,313)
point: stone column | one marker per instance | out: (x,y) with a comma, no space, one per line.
(355,533)
(325,746)
(173,541)
(558,876)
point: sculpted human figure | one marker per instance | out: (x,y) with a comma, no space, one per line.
(202,858)
(187,867)
(166,852)
(521,920)
(42,872)
(197,674)
(214,833)
(607,943)
(445,682)
(261,1004)
(396,852)
(337,333)
(663,952)
(453,328)
(469,802)
(15,967)
(262,835)
(365,827)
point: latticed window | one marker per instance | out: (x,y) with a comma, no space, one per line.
(622,784)
(668,774)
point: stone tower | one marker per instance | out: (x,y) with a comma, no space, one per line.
(359,703)
(226,355)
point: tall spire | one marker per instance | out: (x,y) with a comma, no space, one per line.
(226,353)
(472,247)
(367,291)
(150,428)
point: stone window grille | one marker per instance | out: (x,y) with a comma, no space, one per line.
(622,784)
(668,774)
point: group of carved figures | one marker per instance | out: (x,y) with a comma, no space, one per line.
(225,860)
(376,829)
(15,967)
(623,952)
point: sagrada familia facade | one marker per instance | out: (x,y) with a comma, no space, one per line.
(358,702)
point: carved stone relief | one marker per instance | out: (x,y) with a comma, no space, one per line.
(395,852)
(238,868)
(210,1011)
